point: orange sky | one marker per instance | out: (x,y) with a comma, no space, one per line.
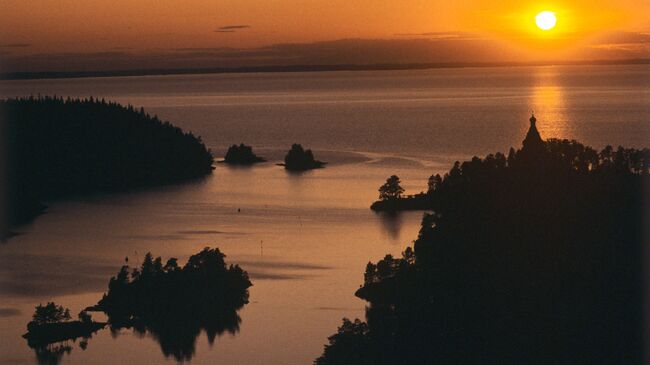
(145,26)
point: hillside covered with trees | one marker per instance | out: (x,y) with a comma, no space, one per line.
(534,257)
(58,147)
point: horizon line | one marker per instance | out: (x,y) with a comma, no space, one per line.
(36,75)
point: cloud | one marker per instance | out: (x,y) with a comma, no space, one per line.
(625,38)
(624,44)
(233,27)
(440,35)
(441,48)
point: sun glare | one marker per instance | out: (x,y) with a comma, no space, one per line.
(546,20)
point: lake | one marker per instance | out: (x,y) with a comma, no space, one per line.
(304,238)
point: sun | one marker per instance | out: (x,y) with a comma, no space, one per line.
(546,20)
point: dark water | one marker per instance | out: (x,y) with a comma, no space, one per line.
(306,238)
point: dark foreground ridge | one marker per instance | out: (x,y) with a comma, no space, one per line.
(299,159)
(241,155)
(58,147)
(531,258)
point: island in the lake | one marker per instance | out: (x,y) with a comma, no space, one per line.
(61,147)
(241,155)
(533,257)
(299,159)
(173,303)
(51,330)
(51,323)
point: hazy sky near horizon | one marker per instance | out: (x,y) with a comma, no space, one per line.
(102,34)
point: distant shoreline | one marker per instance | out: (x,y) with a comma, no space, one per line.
(301,68)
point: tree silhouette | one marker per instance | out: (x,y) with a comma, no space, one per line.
(50,313)
(434,182)
(391,189)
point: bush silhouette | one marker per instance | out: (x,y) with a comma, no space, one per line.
(50,313)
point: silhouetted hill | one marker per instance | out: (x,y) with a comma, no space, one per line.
(241,155)
(58,147)
(531,258)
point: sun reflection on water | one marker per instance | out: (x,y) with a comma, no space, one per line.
(548,99)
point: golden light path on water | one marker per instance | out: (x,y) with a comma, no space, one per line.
(548,100)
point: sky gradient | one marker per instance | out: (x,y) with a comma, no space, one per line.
(65,35)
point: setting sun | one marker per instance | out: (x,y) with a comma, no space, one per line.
(546,20)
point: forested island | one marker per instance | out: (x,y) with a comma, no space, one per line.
(534,257)
(172,303)
(60,147)
(52,323)
(241,155)
(176,303)
(52,329)
(299,159)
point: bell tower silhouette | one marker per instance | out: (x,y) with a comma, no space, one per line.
(533,141)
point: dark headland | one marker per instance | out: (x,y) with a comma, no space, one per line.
(534,257)
(58,148)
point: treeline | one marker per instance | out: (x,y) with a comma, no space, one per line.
(155,290)
(559,155)
(533,257)
(58,147)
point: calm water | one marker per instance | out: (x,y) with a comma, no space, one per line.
(305,239)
